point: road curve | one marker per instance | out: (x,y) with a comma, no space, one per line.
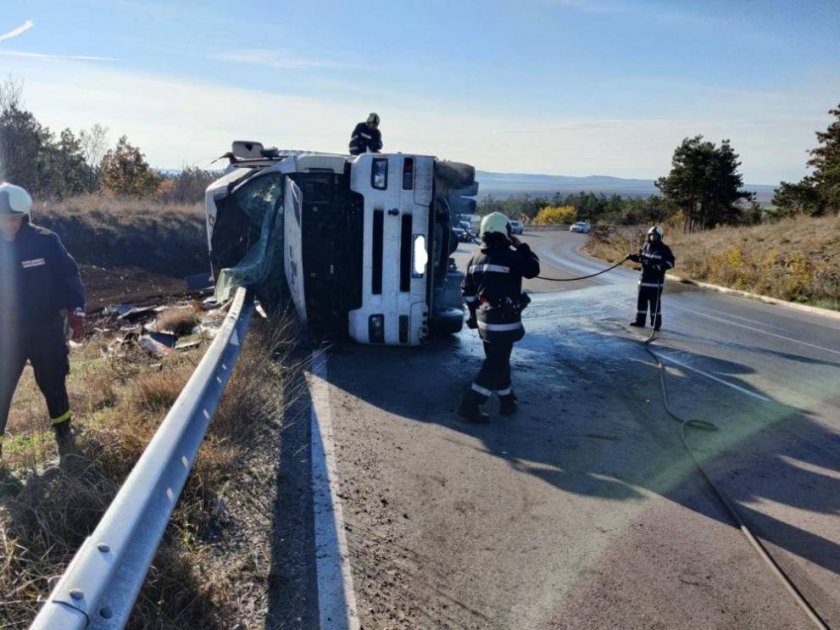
(584,511)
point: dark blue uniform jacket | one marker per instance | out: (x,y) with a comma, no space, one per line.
(492,288)
(365,139)
(38,278)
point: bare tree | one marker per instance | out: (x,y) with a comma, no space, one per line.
(94,145)
(11,93)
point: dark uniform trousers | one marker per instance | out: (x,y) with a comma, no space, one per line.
(649,298)
(45,348)
(494,375)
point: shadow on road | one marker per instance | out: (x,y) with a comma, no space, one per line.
(591,422)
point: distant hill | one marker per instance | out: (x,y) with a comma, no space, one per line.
(510,184)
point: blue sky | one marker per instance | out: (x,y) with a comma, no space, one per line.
(573,87)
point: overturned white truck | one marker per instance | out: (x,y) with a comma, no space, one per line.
(360,244)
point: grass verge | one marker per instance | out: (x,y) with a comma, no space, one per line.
(204,575)
(795,259)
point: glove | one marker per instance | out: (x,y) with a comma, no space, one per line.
(634,257)
(76,319)
(472,323)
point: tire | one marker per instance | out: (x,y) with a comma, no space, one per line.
(447,322)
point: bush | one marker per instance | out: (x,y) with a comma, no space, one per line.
(555,214)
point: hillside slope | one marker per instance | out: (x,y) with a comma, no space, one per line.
(795,259)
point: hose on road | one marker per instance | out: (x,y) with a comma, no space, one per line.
(592,275)
(576,278)
(757,545)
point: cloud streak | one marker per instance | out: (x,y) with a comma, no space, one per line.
(32,55)
(278,59)
(20,30)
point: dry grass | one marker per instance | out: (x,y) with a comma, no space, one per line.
(180,321)
(125,210)
(47,511)
(795,259)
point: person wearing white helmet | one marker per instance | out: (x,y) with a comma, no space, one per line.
(656,258)
(38,280)
(366,137)
(492,290)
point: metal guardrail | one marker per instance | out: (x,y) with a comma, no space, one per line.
(100,586)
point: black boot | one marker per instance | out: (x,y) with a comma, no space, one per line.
(64,438)
(508,405)
(469,409)
(638,324)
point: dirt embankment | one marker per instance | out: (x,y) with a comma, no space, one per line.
(129,250)
(795,259)
(168,239)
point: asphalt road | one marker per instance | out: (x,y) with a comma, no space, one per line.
(584,510)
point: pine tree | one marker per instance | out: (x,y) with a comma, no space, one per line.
(704,182)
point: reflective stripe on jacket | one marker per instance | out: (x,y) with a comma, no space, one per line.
(656,259)
(492,289)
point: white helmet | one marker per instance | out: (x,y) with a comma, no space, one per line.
(494,222)
(14,200)
(656,230)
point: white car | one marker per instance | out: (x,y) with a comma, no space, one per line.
(580,226)
(516,227)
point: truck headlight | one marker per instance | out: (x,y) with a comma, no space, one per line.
(421,256)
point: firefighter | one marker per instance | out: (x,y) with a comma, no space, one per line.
(492,290)
(38,279)
(656,258)
(366,136)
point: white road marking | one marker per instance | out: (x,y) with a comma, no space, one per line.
(336,597)
(752,328)
(743,390)
(733,315)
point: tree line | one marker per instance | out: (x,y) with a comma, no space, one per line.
(703,189)
(66,164)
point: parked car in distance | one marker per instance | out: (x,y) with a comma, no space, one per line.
(580,226)
(516,227)
(463,232)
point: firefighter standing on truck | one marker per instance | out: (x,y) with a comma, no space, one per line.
(366,137)
(656,258)
(492,290)
(38,279)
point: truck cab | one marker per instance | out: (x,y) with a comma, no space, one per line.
(360,244)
